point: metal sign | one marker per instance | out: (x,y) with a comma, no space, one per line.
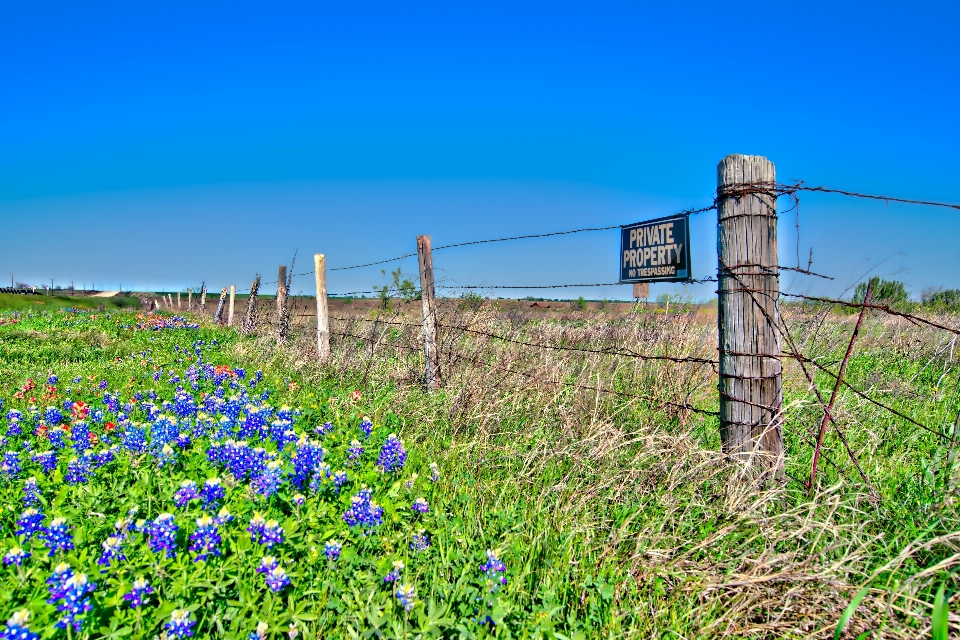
(656,250)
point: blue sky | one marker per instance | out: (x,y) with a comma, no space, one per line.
(155,145)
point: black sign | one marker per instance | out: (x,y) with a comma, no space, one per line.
(656,250)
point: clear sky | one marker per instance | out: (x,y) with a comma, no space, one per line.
(158,144)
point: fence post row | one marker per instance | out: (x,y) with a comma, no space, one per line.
(751,397)
(428,305)
(233,294)
(323,322)
(281,303)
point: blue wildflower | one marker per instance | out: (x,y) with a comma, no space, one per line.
(406,596)
(393,455)
(277,579)
(212,493)
(267,483)
(434,472)
(76,601)
(362,511)
(15,556)
(29,524)
(141,589)
(80,436)
(494,570)
(354,451)
(31,493)
(57,536)
(78,470)
(256,528)
(332,549)
(57,582)
(205,540)
(339,479)
(420,542)
(17,628)
(112,551)
(180,624)
(420,506)
(162,534)
(394,574)
(11,465)
(47,460)
(366,427)
(272,533)
(186,493)
(56,437)
(52,380)
(53,416)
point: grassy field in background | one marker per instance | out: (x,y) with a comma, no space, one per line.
(12,301)
(614,513)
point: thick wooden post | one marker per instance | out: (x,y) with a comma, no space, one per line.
(282,304)
(323,322)
(751,397)
(429,307)
(189,299)
(233,294)
(178,301)
(250,317)
(203,297)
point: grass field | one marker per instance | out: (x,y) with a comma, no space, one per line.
(613,514)
(11,301)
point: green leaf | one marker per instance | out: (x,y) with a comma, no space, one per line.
(938,618)
(848,612)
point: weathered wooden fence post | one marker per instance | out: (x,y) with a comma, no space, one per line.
(323,322)
(189,299)
(282,304)
(219,314)
(751,397)
(429,307)
(178,301)
(203,297)
(170,301)
(233,294)
(250,317)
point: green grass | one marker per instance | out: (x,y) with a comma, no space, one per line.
(15,302)
(617,517)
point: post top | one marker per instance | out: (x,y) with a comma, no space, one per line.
(737,168)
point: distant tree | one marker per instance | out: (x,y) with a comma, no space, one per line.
(470,301)
(889,292)
(579,304)
(941,298)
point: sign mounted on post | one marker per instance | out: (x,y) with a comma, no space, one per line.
(655,250)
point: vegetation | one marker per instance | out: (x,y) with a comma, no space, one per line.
(612,515)
(11,301)
(889,292)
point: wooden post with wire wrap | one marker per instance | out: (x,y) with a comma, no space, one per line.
(751,395)
(428,305)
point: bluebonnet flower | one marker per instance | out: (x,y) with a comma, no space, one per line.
(31,493)
(354,451)
(80,436)
(394,574)
(420,542)
(267,564)
(57,536)
(76,601)
(339,479)
(362,511)
(163,534)
(52,380)
(420,506)
(14,429)
(366,427)
(272,533)
(15,556)
(97,416)
(11,465)
(406,596)
(212,493)
(253,422)
(47,460)
(267,483)
(491,568)
(186,493)
(57,582)
(434,472)
(306,458)
(257,524)
(53,416)
(180,624)
(29,524)
(17,628)
(259,375)
(277,579)
(141,589)
(332,549)
(55,435)
(260,633)
(134,439)
(324,429)
(112,550)
(205,540)
(78,470)
(105,456)
(299,499)
(156,376)
(223,517)
(392,456)
(166,456)
(183,440)
(412,480)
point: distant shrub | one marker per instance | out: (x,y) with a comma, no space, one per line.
(941,298)
(579,304)
(889,292)
(470,301)
(348,301)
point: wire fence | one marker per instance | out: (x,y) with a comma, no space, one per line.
(602,357)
